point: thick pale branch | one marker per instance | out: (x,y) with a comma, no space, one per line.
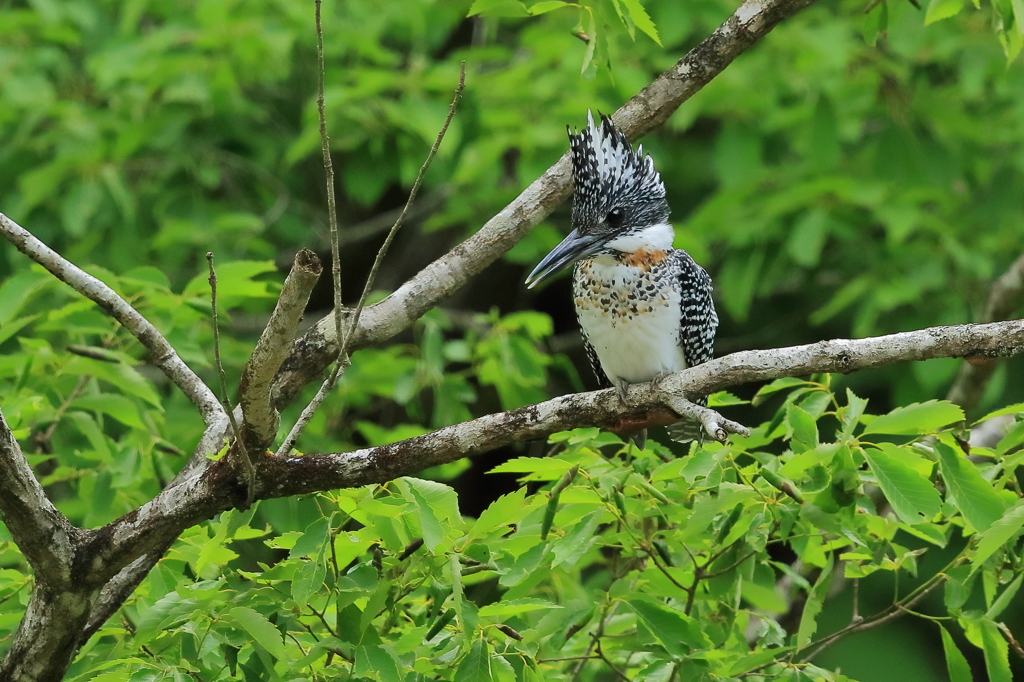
(163,354)
(43,534)
(215,487)
(647,110)
(259,418)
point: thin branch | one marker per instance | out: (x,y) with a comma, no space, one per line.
(753,20)
(307,413)
(43,534)
(163,354)
(239,445)
(259,417)
(1005,297)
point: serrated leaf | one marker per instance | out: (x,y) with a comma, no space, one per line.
(755,660)
(802,428)
(1016,408)
(998,534)
(677,631)
(476,666)
(1004,599)
(778,385)
(997,652)
(815,600)
(501,512)
(311,541)
(956,664)
(260,629)
(526,465)
(641,19)
(978,502)
(545,7)
(514,607)
(433,533)
(308,580)
(942,9)
(916,419)
(912,496)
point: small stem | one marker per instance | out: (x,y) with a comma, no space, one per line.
(343,339)
(250,472)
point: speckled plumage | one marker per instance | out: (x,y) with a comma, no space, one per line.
(645,309)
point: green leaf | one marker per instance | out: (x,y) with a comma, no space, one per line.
(978,502)
(260,629)
(120,376)
(778,385)
(641,19)
(912,496)
(956,664)
(997,652)
(503,511)
(815,601)
(117,406)
(476,666)
(1016,408)
(498,8)
(514,607)
(433,533)
(755,659)
(673,628)
(998,534)
(942,9)
(1000,604)
(523,465)
(917,419)
(311,541)
(377,662)
(802,428)
(308,579)
(545,7)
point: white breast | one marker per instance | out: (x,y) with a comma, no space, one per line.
(631,317)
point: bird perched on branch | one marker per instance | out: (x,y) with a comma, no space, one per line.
(645,308)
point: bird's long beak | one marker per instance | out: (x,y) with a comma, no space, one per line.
(572,248)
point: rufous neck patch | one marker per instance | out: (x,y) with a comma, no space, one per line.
(642,258)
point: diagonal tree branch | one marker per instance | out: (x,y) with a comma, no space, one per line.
(163,354)
(215,488)
(43,534)
(259,417)
(650,108)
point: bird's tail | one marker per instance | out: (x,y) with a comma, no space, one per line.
(686,429)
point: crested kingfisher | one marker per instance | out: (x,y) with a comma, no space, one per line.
(645,309)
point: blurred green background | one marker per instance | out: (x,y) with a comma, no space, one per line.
(835,182)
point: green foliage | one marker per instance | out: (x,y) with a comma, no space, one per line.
(622,558)
(856,173)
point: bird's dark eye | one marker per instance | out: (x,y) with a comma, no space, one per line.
(615,217)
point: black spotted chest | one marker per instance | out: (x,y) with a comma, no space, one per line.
(631,317)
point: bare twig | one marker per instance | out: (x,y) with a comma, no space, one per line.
(163,354)
(243,456)
(307,413)
(259,418)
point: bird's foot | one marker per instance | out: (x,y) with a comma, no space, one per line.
(621,386)
(658,378)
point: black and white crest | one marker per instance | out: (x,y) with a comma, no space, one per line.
(608,174)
